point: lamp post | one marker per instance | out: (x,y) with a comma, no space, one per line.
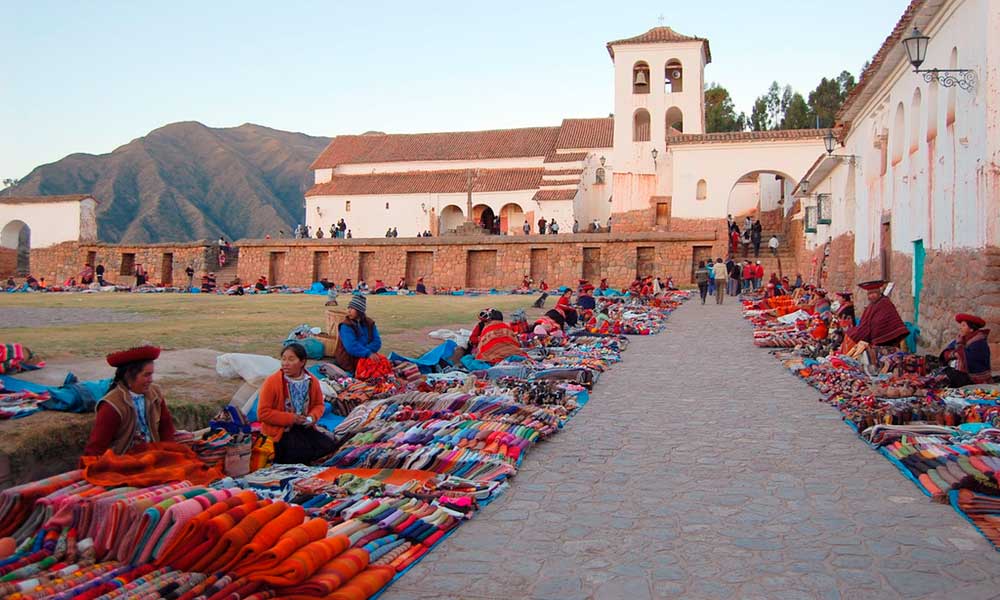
(916,50)
(830,142)
(655,153)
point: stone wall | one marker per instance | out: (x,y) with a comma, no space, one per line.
(8,262)
(456,262)
(58,263)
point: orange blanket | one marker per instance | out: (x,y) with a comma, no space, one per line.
(160,462)
(389,476)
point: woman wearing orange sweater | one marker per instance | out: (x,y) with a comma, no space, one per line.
(289,406)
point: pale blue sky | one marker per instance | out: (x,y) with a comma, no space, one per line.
(91,76)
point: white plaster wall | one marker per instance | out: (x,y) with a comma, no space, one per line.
(722,164)
(369,217)
(938,191)
(592,201)
(769,190)
(323,175)
(50,223)
(743,198)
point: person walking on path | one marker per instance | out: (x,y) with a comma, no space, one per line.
(773,245)
(541,225)
(701,277)
(527,227)
(553,227)
(189,271)
(721,275)
(748,272)
(756,233)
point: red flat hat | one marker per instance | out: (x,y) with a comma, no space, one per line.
(874,284)
(588,287)
(970,319)
(124,357)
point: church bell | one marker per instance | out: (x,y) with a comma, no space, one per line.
(640,78)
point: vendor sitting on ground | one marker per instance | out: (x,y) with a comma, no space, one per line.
(497,340)
(235,287)
(380,287)
(402,284)
(290,405)
(880,322)
(347,287)
(585,300)
(566,299)
(362,285)
(969,353)
(543,286)
(421,288)
(133,413)
(477,330)
(821,304)
(357,336)
(604,284)
(526,283)
(845,309)
(261,285)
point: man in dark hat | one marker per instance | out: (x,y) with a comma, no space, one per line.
(969,353)
(880,324)
(357,335)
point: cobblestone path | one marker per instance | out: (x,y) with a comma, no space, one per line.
(702,469)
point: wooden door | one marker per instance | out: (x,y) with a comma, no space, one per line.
(663,213)
(418,264)
(321,266)
(128,264)
(539,264)
(167,269)
(480,269)
(276,268)
(645,261)
(366,267)
(592,264)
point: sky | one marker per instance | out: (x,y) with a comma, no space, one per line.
(92,76)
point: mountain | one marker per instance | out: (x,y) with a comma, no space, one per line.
(186,181)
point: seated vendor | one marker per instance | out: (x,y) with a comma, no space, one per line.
(585,300)
(880,322)
(821,304)
(348,286)
(526,283)
(543,286)
(289,406)
(357,336)
(604,284)
(968,355)
(133,413)
(261,284)
(497,340)
(477,330)
(421,288)
(362,285)
(380,287)
(844,309)
(565,300)
(401,285)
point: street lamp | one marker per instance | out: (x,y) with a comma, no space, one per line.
(655,153)
(804,186)
(916,50)
(830,141)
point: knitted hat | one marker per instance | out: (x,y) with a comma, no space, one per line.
(359,303)
(970,319)
(124,357)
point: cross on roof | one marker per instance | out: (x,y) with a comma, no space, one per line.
(660,19)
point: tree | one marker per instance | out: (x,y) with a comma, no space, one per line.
(797,115)
(826,100)
(758,116)
(720,114)
(774,110)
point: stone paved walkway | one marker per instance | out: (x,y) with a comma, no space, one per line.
(702,469)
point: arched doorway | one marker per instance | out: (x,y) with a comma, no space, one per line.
(451,217)
(485,217)
(765,195)
(16,238)
(511,219)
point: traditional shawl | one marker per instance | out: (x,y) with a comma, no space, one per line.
(303,562)
(161,462)
(880,323)
(973,355)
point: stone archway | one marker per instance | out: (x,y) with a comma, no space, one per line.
(15,248)
(484,216)
(451,218)
(511,219)
(763,194)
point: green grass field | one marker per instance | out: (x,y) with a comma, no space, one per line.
(253,324)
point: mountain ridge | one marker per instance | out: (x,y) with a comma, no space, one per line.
(186,181)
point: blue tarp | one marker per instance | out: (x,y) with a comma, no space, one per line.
(73,396)
(431,361)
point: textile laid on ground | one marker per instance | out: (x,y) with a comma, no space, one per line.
(945,440)
(418,455)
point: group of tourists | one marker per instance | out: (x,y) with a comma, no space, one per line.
(731,278)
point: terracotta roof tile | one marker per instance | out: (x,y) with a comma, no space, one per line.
(586,133)
(893,42)
(659,35)
(460,145)
(560,182)
(420,182)
(565,157)
(44,199)
(548,172)
(555,194)
(745,136)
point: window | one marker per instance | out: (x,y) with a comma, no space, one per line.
(824,209)
(640,78)
(640,126)
(898,134)
(387,206)
(674,121)
(915,121)
(347,206)
(810,220)
(702,190)
(673,76)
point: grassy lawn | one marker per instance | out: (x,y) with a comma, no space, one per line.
(50,442)
(253,324)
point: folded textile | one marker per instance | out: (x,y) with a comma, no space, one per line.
(333,574)
(303,562)
(160,462)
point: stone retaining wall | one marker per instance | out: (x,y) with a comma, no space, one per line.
(8,262)
(58,263)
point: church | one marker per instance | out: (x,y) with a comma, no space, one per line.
(648,167)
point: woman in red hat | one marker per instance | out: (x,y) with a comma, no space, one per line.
(133,413)
(969,353)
